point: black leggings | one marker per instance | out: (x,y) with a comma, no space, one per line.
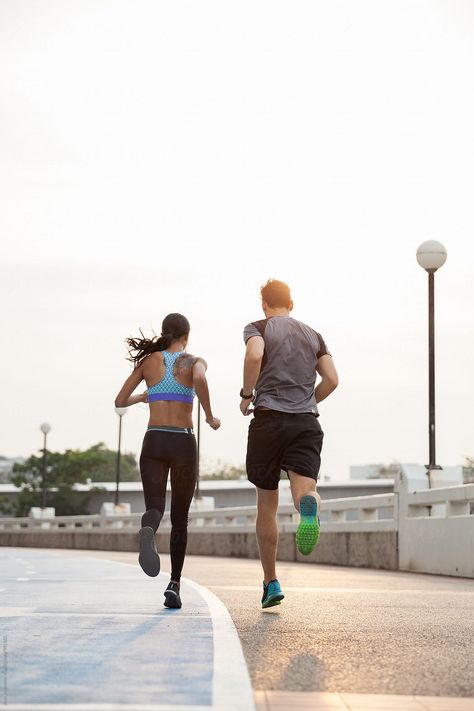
(162,451)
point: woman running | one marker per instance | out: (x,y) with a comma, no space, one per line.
(173,378)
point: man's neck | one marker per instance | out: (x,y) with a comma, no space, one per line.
(279,311)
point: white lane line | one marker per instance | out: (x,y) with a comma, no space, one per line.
(231,686)
(232,690)
(21,579)
(15,611)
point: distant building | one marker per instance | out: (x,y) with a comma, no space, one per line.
(223,493)
(374,471)
(416,474)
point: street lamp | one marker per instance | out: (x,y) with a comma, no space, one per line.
(431,255)
(45,428)
(197,493)
(120,412)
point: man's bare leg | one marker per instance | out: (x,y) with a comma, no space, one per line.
(267,531)
(307,502)
(301,486)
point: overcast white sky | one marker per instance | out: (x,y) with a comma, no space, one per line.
(161,157)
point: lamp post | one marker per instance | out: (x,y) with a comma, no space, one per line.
(45,428)
(120,412)
(197,493)
(431,255)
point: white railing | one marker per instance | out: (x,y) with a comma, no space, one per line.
(436,530)
(349,514)
(435,527)
(446,502)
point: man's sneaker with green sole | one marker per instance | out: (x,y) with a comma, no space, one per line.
(272,594)
(307,534)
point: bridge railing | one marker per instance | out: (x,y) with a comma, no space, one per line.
(446,502)
(436,530)
(426,531)
(356,513)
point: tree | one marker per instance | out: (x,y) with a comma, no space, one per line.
(64,470)
(101,463)
(225,471)
(468,470)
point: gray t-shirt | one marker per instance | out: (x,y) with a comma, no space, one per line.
(288,372)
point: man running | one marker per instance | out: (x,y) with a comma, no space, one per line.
(282,358)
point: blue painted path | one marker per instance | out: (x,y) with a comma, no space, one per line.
(91,632)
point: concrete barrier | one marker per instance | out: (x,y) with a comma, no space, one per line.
(358,549)
(429,531)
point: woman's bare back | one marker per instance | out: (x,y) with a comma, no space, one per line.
(166,412)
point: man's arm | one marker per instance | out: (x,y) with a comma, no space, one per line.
(329,378)
(252,365)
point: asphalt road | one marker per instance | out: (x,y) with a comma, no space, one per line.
(345,629)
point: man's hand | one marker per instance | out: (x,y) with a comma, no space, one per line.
(245,406)
(213,422)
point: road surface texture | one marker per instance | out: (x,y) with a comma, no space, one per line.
(347,630)
(86,633)
(343,638)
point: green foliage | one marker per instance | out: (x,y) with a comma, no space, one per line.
(468,470)
(7,508)
(103,462)
(225,472)
(63,471)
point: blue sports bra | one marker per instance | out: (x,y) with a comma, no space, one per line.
(168,388)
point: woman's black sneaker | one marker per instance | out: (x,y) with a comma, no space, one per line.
(172,598)
(148,556)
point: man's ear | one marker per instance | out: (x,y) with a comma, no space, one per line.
(290,305)
(264,307)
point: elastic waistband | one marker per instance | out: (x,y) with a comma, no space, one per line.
(166,428)
(267,412)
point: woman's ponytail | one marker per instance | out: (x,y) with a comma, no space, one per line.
(174,326)
(164,342)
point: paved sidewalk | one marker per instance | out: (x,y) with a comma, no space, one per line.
(82,632)
(339,633)
(348,631)
(321,701)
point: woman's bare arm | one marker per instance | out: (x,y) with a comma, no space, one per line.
(125,398)
(202,391)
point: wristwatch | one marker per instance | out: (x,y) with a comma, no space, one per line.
(244,396)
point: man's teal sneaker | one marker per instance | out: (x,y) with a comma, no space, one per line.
(272,594)
(307,534)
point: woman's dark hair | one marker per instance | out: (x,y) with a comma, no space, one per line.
(174,326)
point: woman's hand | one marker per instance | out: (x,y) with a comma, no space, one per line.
(213,422)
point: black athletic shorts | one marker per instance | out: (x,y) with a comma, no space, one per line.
(281,440)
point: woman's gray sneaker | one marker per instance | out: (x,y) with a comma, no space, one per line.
(148,557)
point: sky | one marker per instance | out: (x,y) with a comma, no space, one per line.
(159,157)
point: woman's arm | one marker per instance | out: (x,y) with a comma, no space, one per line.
(125,397)
(202,391)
